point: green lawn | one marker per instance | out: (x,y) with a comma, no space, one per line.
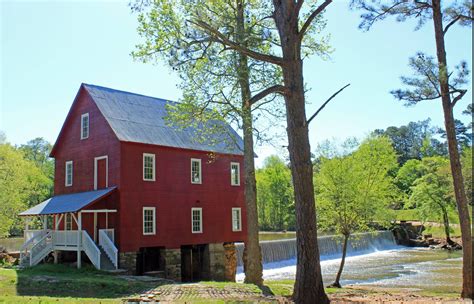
(65,284)
(412,215)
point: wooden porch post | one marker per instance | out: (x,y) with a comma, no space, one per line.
(79,239)
(27,223)
(45,222)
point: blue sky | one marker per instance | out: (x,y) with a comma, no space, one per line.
(48,48)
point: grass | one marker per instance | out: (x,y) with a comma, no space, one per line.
(64,284)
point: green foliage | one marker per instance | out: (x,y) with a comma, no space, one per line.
(26,179)
(355,189)
(275,196)
(466,161)
(432,193)
(414,140)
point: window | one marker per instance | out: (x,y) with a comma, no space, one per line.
(148,167)
(68,221)
(68,175)
(149,223)
(195,171)
(236,219)
(196,220)
(235,174)
(85,126)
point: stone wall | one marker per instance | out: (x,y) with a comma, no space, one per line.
(230,262)
(128,261)
(172,259)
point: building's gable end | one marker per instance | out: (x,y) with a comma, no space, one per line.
(68,128)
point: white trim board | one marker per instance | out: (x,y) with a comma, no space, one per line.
(106,157)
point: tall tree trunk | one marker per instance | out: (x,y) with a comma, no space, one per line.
(252,254)
(446,226)
(343,261)
(461,200)
(308,283)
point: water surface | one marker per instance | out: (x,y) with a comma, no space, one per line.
(413,268)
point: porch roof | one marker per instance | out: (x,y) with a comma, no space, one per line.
(67,203)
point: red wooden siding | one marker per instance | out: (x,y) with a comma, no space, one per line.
(69,146)
(173,196)
(172,193)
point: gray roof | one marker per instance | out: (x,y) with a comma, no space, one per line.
(141,119)
(66,203)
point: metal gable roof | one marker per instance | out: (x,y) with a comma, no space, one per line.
(66,203)
(141,119)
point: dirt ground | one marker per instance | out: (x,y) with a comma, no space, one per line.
(200,293)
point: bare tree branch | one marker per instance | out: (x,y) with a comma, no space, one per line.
(311,17)
(235,46)
(450,24)
(325,103)
(457,98)
(262,94)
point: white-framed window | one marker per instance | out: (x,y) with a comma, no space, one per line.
(148,167)
(236,219)
(68,174)
(235,174)
(85,126)
(196,173)
(149,221)
(196,220)
(68,221)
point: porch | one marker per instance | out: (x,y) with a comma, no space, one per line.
(61,228)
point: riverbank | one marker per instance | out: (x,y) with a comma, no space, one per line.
(63,284)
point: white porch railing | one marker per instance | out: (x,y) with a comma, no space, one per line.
(108,246)
(66,238)
(42,242)
(30,234)
(31,238)
(41,249)
(110,233)
(91,249)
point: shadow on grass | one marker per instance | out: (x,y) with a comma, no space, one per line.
(266,290)
(67,281)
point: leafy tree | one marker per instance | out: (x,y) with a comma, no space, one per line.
(468,111)
(433,81)
(37,151)
(432,193)
(291,25)
(466,161)
(408,174)
(355,189)
(414,140)
(463,134)
(21,182)
(217,85)
(275,195)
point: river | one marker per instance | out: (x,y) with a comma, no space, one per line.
(379,264)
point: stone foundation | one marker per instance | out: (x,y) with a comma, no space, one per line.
(217,262)
(172,259)
(230,262)
(128,261)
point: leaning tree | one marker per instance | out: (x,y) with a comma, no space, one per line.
(433,81)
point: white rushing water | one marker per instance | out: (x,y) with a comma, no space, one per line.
(329,246)
(373,259)
(413,268)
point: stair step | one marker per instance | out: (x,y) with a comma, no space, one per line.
(105,262)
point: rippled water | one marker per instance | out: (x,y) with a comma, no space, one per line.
(414,268)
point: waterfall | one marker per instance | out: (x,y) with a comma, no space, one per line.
(329,245)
